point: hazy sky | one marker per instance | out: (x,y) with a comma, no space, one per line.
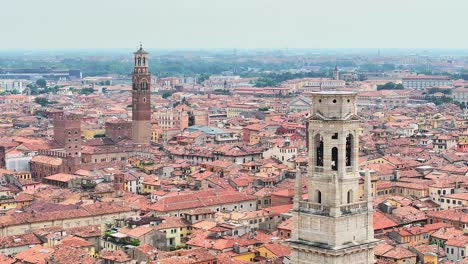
(234,23)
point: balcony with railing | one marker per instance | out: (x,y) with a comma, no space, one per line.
(354,208)
(314,208)
(318,169)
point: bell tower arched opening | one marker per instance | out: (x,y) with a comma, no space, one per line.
(334,163)
(319,150)
(349,150)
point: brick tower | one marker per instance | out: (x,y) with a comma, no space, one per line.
(67,133)
(141,100)
(334,226)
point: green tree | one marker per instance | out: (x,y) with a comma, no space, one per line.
(438,90)
(54,89)
(222,92)
(43,101)
(41,83)
(166,94)
(264,82)
(203,77)
(86,91)
(390,86)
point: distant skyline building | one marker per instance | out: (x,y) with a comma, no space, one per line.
(421,82)
(41,72)
(141,99)
(334,225)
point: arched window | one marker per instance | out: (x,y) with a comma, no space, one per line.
(318,196)
(349,149)
(350,196)
(319,150)
(139,61)
(334,163)
(144,61)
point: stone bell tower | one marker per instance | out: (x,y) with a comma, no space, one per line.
(141,99)
(334,226)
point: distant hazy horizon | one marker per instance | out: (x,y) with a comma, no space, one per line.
(241,24)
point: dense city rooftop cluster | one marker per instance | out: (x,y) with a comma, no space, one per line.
(216,169)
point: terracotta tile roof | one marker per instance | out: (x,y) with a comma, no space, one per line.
(202,239)
(382,248)
(204,225)
(71,241)
(278,249)
(61,177)
(425,249)
(381,221)
(189,256)
(399,252)
(461,241)
(19,241)
(95,209)
(6,260)
(286,224)
(117,256)
(417,230)
(85,231)
(458,196)
(408,214)
(35,255)
(71,254)
(447,233)
(199,199)
(47,160)
(455,215)
(172,222)
(148,250)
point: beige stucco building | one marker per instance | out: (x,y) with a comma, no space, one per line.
(92,214)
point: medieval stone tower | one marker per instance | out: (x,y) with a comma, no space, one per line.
(141,101)
(334,226)
(67,133)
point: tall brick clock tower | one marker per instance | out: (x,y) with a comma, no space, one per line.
(141,100)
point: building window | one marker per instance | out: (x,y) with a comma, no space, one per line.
(350,196)
(318,196)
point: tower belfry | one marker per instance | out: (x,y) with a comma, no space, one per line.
(334,225)
(141,99)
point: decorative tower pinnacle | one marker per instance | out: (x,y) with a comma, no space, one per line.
(298,188)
